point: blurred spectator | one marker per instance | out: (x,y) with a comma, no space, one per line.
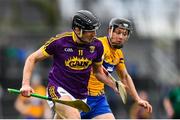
(137,111)
(172,103)
(34,108)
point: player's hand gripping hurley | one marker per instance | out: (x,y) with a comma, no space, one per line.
(79,104)
(120,86)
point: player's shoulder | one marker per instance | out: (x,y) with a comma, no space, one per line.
(97,41)
(63,35)
(59,37)
(102,38)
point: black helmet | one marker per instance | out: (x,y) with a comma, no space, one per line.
(85,20)
(122,23)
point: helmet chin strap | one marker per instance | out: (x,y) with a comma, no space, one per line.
(81,32)
(111,32)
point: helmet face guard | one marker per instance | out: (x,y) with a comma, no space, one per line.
(119,23)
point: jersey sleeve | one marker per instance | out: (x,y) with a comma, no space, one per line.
(121,65)
(100,50)
(49,47)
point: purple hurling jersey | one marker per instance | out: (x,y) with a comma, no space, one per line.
(72,62)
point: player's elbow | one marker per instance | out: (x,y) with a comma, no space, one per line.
(31,58)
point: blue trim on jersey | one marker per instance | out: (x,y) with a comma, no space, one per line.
(109,67)
(99,106)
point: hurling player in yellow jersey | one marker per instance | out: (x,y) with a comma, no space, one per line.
(118,33)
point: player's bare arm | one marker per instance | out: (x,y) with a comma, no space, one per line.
(30,62)
(168,107)
(103,77)
(127,80)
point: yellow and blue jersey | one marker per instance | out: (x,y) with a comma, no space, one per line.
(112,59)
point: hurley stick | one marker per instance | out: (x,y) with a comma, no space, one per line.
(120,86)
(79,104)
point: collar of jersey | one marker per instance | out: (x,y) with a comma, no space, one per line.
(74,37)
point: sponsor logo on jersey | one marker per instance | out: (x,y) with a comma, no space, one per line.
(68,49)
(77,63)
(92,48)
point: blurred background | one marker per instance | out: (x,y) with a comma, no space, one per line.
(152,53)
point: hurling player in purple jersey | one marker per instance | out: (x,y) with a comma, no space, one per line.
(74,55)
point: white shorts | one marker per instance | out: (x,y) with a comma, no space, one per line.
(63,92)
